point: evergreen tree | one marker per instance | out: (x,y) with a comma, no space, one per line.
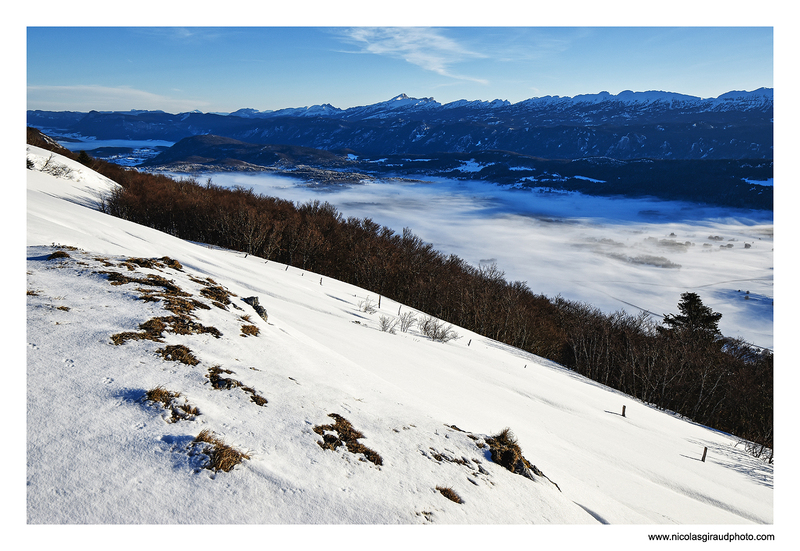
(695,317)
(85,159)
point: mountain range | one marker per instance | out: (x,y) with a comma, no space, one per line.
(628,125)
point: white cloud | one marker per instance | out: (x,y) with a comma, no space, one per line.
(424,47)
(612,253)
(103,98)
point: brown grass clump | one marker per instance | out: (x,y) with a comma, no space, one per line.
(58,254)
(143,262)
(450,494)
(154,328)
(506,451)
(182,325)
(173,302)
(153,263)
(222,457)
(169,400)
(258,399)
(250,330)
(161,395)
(218,381)
(103,261)
(220,297)
(348,436)
(224,383)
(171,263)
(178,353)
(117,278)
(151,330)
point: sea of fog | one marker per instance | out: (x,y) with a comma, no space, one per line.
(617,254)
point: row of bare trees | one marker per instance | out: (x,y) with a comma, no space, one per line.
(719,382)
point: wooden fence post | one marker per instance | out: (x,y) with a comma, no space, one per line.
(623,411)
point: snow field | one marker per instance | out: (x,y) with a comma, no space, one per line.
(97,453)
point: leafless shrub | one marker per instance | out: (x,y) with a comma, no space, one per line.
(407,319)
(367,306)
(759,451)
(436,330)
(53,168)
(388,324)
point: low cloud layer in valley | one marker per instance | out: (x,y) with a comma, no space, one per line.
(616,254)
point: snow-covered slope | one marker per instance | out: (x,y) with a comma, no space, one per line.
(98,452)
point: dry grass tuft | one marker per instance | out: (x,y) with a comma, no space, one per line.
(152,280)
(153,329)
(169,400)
(178,353)
(222,457)
(58,254)
(103,261)
(171,263)
(224,383)
(256,398)
(348,436)
(450,494)
(144,262)
(161,395)
(218,381)
(220,297)
(250,330)
(506,451)
(182,325)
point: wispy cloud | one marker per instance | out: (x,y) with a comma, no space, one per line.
(103,98)
(186,34)
(424,47)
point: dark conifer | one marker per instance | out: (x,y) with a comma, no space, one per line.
(695,317)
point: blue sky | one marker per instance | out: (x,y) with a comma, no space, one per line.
(223,69)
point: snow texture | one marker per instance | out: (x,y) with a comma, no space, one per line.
(98,452)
